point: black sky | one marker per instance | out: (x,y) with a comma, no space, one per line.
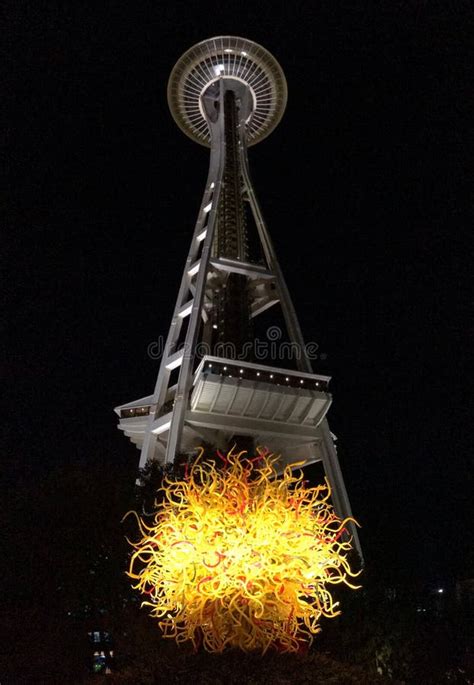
(366,188)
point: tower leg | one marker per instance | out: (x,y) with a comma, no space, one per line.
(336,481)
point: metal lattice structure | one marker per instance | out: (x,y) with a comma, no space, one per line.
(229,93)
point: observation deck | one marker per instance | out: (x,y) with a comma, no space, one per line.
(280,408)
(227,57)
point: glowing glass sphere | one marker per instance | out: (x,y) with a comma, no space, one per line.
(238,556)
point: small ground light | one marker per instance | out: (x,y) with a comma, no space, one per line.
(301,381)
(271,375)
(440,590)
(241,371)
(225,368)
(258,373)
(287,379)
(214,325)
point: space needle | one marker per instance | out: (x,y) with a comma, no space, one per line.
(229,93)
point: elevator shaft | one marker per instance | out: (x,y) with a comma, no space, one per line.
(232,306)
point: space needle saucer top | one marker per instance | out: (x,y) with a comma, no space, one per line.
(227,57)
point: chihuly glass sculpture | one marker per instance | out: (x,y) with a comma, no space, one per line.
(239,556)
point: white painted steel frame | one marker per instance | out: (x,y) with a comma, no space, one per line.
(190,302)
(193,307)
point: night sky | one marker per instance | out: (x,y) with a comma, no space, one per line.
(365,186)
